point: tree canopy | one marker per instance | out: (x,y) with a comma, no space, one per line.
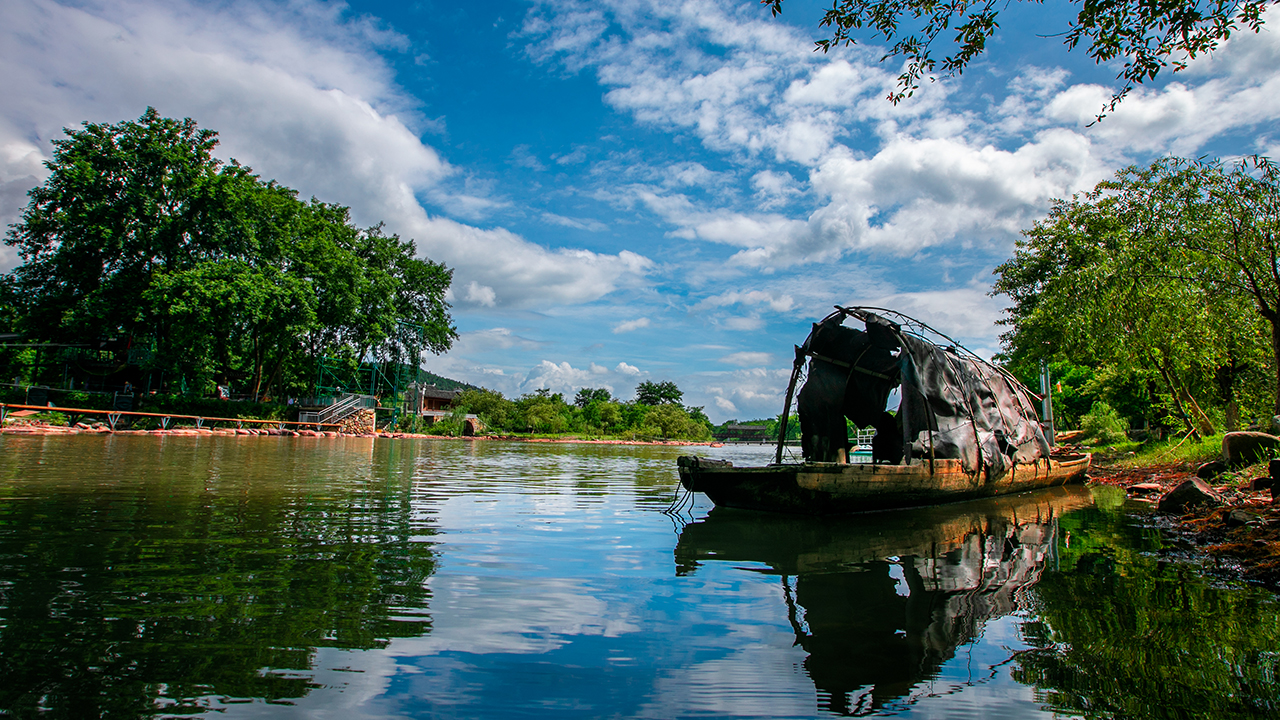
(655,413)
(140,233)
(1169,272)
(658,393)
(1148,36)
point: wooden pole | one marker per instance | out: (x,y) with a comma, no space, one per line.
(786,406)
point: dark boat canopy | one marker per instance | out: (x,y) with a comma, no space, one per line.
(954,404)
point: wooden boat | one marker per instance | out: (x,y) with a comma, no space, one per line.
(820,488)
(964,428)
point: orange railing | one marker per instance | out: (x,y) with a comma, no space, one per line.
(113,416)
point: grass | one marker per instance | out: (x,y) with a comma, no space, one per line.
(1174,450)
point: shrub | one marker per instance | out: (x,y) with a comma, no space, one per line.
(1103,424)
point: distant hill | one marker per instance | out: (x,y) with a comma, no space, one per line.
(445,383)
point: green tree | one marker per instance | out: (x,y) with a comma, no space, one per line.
(545,412)
(227,310)
(586,396)
(494,410)
(673,421)
(1148,36)
(660,393)
(1139,275)
(140,232)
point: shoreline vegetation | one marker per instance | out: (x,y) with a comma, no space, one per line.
(35,425)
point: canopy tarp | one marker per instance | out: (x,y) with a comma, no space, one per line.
(963,408)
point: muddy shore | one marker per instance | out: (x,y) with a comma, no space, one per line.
(1240,536)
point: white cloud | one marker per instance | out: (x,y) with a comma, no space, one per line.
(744,324)
(748,393)
(563,377)
(499,338)
(297,91)
(748,359)
(748,88)
(478,294)
(967,314)
(774,188)
(775,300)
(629,325)
(575,223)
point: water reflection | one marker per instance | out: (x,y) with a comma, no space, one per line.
(139,576)
(880,602)
(358,579)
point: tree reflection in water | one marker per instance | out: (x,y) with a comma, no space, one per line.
(1108,629)
(216,568)
(1123,633)
(881,601)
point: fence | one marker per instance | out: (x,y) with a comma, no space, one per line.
(114,416)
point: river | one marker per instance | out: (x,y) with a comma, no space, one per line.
(360,578)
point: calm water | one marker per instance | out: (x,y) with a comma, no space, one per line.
(352,578)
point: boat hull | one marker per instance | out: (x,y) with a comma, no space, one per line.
(833,488)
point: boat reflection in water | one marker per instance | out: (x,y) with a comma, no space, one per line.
(881,601)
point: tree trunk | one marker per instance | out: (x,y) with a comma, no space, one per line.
(1274,320)
(275,373)
(257,367)
(1177,402)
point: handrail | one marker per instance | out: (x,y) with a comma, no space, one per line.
(165,418)
(342,408)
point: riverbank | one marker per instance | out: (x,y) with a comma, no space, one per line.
(1238,531)
(23,426)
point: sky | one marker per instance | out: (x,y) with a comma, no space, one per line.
(631,190)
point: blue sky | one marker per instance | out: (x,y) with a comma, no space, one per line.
(633,190)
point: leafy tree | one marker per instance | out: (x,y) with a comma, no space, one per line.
(545,412)
(610,415)
(1231,223)
(494,410)
(665,392)
(586,396)
(141,233)
(673,421)
(235,310)
(1164,269)
(1148,36)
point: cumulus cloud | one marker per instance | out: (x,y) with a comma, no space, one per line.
(748,88)
(562,377)
(748,393)
(299,92)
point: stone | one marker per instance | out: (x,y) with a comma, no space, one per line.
(1246,448)
(1260,483)
(1192,493)
(1275,425)
(1144,488)
(1211,470)
(1237,518)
